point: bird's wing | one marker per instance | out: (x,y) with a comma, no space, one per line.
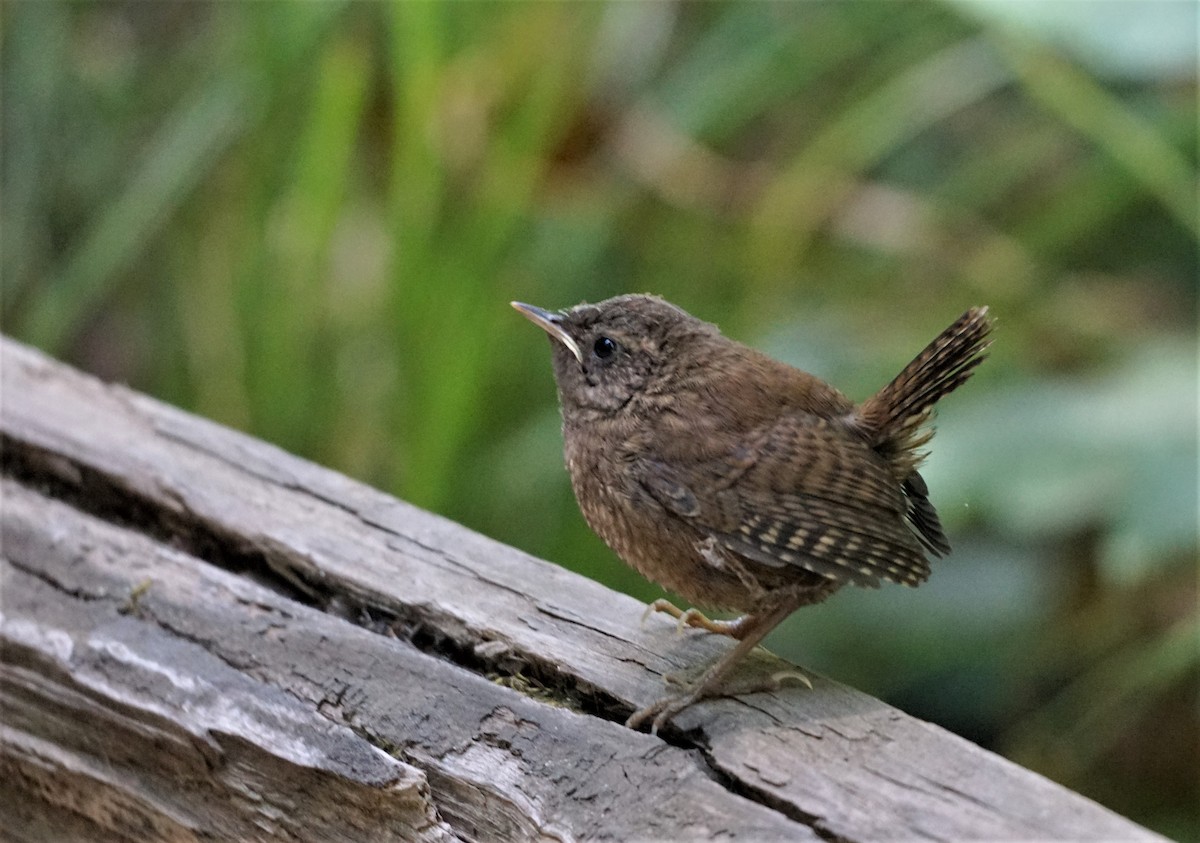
(803,491)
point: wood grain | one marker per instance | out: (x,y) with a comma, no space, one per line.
(203,635)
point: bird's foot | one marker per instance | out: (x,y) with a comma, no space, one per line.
(694,618)
(760,684)
(751,685)
(664,709)
(749,630)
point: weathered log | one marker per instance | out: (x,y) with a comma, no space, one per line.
(204,636)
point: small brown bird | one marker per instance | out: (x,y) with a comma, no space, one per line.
(737,481)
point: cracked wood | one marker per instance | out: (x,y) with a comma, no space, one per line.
(211,560)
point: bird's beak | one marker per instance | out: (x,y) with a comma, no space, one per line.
(551,323)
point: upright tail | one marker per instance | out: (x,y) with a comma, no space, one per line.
(895,418)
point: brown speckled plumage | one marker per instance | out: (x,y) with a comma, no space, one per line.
(735,480)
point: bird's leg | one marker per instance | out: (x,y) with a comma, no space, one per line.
(694,617)
(753,629)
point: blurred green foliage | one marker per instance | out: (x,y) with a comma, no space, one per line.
(306,220)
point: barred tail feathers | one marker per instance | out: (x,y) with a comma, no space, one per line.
(896,416)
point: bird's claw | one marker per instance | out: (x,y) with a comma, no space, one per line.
(694,618)
(780,675)
(661,710)
(664,709)
(771,682)
(661,605)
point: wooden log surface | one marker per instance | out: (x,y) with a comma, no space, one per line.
(204,636)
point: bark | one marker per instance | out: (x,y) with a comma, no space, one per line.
(206,637)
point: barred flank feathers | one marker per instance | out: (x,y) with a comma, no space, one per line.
(895,417)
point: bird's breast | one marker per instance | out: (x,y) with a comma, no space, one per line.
(663,548)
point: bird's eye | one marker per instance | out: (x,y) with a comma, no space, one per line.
(604,348)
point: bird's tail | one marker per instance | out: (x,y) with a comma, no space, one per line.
(895,418)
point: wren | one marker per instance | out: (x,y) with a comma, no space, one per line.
(737,481)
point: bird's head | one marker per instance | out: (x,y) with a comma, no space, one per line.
(610,354)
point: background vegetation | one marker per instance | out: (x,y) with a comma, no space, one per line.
(306,220)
